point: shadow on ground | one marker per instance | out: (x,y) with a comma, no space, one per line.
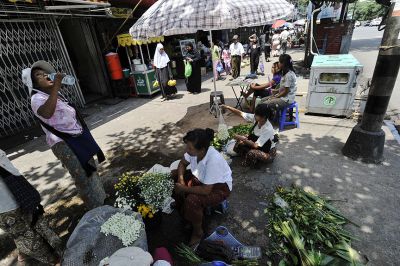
(309,157)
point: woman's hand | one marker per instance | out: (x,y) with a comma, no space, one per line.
(57,80)
(239,138)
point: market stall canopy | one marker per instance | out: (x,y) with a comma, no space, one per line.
(131,3)
(279,23)
(127,40)
(300,22)
(288,25)
(173,17)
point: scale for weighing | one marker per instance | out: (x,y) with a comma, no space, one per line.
(333,84)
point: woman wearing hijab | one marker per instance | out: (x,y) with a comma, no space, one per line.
(66,132)
(163,71)
(21,216)
(193,83)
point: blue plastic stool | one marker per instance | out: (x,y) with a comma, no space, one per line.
(296,120)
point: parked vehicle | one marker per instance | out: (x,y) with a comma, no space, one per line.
(366,24)
(375,22)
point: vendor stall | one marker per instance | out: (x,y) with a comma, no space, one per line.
(333,84)
(143,75)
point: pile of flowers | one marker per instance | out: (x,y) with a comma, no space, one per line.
(145,194)
(125,227)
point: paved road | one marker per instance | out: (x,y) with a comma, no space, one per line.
(364,47)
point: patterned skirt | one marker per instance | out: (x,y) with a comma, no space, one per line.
(253,157)
(38,241)
(192,205)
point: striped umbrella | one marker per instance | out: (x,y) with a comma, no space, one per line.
(173,17)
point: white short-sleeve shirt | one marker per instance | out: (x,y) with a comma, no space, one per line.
(264,133)
(212,169)
(236,49)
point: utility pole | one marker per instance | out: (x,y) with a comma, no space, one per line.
(367,139)
(310,44)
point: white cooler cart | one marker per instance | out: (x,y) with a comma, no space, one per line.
(333,84)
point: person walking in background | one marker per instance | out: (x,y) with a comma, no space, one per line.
(265,43)
(66,132)
(226,57)
(275,43)
(254,51)
(193,83)
(21,216)
(237,52)
(216,55)
(284,37)
(163,71)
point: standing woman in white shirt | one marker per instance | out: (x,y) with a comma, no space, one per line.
(21,216)
(237,52)
(259,146)
(207,184)
(275,43)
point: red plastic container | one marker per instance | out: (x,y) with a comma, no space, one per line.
(114,66)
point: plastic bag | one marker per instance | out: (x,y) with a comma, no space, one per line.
(229,147)
(188,69)
(220,68)
(262,67)
(223,133)
(87,245)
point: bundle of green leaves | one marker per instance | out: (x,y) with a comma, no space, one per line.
(242,129)
(305,229)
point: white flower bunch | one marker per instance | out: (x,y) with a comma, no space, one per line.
(223,133)
(124,203)
(155,188)
(125,227)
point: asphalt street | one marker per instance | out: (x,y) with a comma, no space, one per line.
(364,47)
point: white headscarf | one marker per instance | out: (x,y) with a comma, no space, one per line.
(26,79)
(160,59)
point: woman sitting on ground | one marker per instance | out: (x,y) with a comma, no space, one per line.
(259,145)
(207,184)
(266,89)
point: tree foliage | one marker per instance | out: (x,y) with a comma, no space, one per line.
(368,10)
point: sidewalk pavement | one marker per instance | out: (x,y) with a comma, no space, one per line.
(309,156)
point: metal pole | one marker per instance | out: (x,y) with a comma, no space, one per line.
(129,59)
(141,53)
(213,66)
(367,139)
(148,51)
(215,106)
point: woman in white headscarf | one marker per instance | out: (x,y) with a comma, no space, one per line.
(163,71)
